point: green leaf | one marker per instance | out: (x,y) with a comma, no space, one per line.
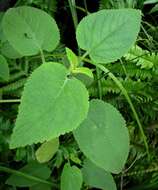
(33,169)
(4,69)
(71,178)
(84,78)
(94,176)
(108,34)
(47,150)
(73,59)
(52,104)
(83,70)
(30,30)
(103,137)
(6,49)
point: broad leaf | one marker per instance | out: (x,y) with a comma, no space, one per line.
(4,69)
(47,150)
(103,137)
(33,169)
(52,104)
(94,176)
(71,178)
(30,30)
(108,34)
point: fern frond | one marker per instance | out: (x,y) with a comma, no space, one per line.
(5,131)
(117,4)
(144,58)
(13,86)
(140,64)
(134,88)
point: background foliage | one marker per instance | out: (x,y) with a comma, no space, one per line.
(137,70)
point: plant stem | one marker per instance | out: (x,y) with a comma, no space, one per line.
(72,5)
(17,3)
(82,9)
(124,68)
(10,101)
(119,84)
(97,69)
(84,56)
(37,179)
(42,56)
(86,8)
(99,83)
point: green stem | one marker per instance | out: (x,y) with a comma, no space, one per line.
(10,101)
(55,55)
(82,9)
(17,3)
(124,68)
(97,69)
(99,83)
(37,179)
(84,56)
(42,56)
(146,33)
(86,8)
(119,84)
(72,5)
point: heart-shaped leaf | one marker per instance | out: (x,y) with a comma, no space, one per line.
(30,30)
(52,104)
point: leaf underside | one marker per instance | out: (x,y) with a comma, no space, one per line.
(103,137)
(96,177)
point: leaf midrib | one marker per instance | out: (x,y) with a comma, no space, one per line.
(104,39)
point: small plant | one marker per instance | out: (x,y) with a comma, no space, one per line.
(54,102)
